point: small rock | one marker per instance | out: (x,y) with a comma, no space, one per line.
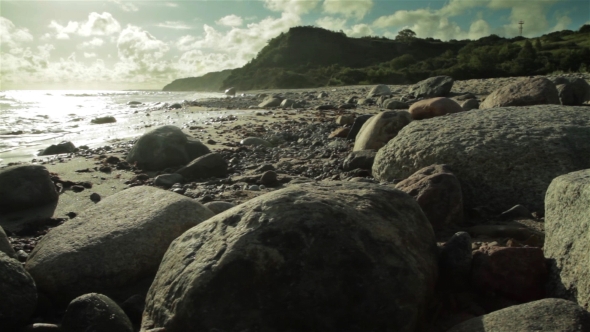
(254,188)
(77,188)
(219,206)
(71,215)
(340,132)
(269,178)
(95,312)
(95,197)
(167,180)
(255,141)
(102,120)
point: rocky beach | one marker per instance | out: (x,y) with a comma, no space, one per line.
(445,205)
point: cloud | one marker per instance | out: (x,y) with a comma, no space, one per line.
(125,6)
(94,43)
(89,55)
(97,25)
(11,36)
(171,4)
(176,25)
(138,45)
(356,8)
(297,7)
(230,21)
(339,24)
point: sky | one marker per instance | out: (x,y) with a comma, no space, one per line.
(117,44)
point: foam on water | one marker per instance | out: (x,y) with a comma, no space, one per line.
(31,120)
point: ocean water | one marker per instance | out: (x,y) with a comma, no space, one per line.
(32,120)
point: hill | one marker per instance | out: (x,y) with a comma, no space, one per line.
(209,82)
(314,57)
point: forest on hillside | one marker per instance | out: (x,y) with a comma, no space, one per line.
(315,57)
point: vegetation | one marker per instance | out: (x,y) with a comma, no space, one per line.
(208,82)
(313,57)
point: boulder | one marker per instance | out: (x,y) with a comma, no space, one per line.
(438,86)
(430,108)
(502,157)
(230,92)
(392,104)
(543,315)
(5,246)
(19,295)
(379,129)
(271,101)
(104,119)
(95,313)
(114,245)
(438,192)
(526,92)
(574,92)
(469,104)
(255,141)
(337,255)
(343,120)
(379,90)
(566,237)
(362,159)
(165,147)
(269,178)
(518,274)
(25,186)
(358,123)
(63,147)
(168,180)
(207,166)
(219,206)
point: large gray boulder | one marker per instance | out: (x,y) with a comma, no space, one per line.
(379,129)
(164,147)
(63,147)
(114,245)
(542,315)
(18,297)
(209,165)
(567,216)
(502,157)
(574,91)
(525,92)
(438,86)
(325,257)
(25,186)
(95,313)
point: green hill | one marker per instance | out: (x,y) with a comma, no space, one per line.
(314,57)
(208,82)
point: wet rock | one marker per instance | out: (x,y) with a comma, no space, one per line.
(104,119)
(526,92)
(542,315)
(167,180)
(219,206)
(566,239)
(438,86)
(532,144)
(438,192)
(19,295)
(379,90)
(315,248)
(518,274)
(455,263)
(362,159)
(95,313)
(164,147)
(135,226)
(63,147)
(25,186)
(207,166)
(255,141)
(379,129)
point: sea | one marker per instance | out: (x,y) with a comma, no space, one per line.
(31,120)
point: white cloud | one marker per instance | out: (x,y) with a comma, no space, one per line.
(230,21)
(171,4)
(11,36)
(339,24)
(356,8)
(89,55)
(94,43)
(292,6)
(136,44)
(125,6)
(176,25)
(97,25)
(359,30)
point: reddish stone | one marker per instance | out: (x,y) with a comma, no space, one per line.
(515,273)
(430,108)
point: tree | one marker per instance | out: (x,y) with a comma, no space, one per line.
(405,35)
(538,45)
